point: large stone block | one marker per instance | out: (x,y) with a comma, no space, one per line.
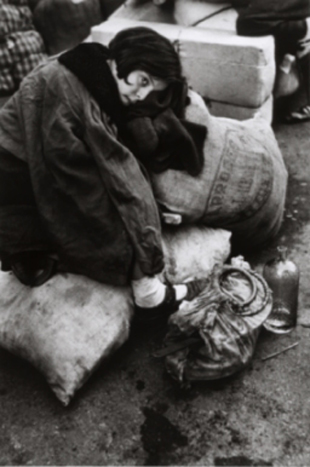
(236,74)
(221,66)
(223,109)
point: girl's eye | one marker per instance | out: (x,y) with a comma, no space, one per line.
(144,81)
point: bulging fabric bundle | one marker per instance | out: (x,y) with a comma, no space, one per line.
(21,45)
(215,335)
(242,186)
(70,325)
(65,23)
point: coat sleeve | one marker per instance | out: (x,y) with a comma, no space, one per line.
(283,30)
(129,190)
(77,139)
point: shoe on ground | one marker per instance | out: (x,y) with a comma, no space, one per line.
(32,268)
(299,116)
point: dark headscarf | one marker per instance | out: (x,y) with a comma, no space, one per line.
(142,48)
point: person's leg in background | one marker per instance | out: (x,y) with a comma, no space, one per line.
(303,113)
(304,64)
(303,61)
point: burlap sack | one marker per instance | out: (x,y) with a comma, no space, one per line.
(242,187)
(72,324)
(192,252)
(65,328)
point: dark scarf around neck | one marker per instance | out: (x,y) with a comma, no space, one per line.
(160,137)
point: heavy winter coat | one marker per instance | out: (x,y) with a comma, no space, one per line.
(91,203)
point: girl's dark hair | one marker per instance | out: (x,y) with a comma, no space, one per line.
(142,48)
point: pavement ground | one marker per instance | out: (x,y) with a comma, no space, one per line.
(131,413)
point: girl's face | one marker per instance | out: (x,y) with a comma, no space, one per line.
(137,85)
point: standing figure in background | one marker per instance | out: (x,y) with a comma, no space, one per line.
(289,22)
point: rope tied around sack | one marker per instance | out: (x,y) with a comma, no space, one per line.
(250,276)
(237,306)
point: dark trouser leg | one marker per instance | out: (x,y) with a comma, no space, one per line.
(20,225)
(304,66)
